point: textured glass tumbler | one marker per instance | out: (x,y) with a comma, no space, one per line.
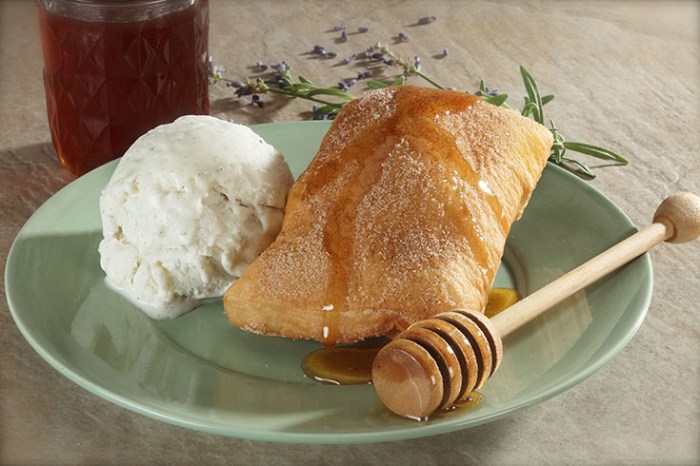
(114,69)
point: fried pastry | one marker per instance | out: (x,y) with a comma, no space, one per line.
(402,214)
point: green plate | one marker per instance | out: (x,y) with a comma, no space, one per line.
(199,372)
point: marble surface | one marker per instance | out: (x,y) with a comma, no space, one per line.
(625,74)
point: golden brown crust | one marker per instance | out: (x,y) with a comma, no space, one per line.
(402,214)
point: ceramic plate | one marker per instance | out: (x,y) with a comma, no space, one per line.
(199,372)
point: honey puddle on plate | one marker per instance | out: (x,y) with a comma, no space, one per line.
(352,365)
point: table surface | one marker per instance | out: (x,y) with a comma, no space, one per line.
(625,74)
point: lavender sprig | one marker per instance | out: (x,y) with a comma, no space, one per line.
(330,100)
(284,83)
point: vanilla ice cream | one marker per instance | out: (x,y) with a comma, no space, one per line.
(189,206)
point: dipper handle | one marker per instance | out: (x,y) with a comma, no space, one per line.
(677,220)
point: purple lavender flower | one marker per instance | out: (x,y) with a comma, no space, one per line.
(403,37)
(417,62)
(426,19)
(261,66)
(364,75)
(257,101)
(344,36)
(322,52)
(348,60)
(216,72)
(243,90)
(280,67)
(319,116)
(342,86)
(362,29)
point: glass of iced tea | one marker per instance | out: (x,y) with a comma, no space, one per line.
(114,69)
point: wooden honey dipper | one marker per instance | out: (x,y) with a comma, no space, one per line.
(437,362)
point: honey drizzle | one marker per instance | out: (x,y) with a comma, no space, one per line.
(340,225)
(447,154)
(477,243)
(467,173)
(339,243)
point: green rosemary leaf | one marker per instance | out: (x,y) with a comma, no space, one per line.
(533,93)
(398,81)
(330,110)
(303,80)
(331,91)
(557,154)
(529,108)
(577,167)
(326,108)
(547,98)
(374,84)
(595,151)
(497,100)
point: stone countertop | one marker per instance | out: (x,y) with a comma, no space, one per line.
(625,74)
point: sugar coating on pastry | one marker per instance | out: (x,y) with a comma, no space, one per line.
(190,205)
(403,213)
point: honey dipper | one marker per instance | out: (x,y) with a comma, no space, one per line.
(437,362)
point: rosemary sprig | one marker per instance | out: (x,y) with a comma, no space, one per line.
(281,81)
(534,104)
(330,100)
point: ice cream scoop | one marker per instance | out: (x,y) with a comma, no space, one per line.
(437,362)
(189,206)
